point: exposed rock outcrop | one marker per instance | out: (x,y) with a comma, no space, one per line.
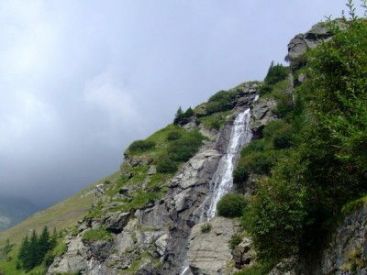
(299,45)
(210,252)
(347,251)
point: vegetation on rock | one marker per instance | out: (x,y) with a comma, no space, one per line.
(320,146)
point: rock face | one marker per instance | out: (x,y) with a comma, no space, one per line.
(299,45)
(155,239)
(210,252)
(347,251)
(244,254)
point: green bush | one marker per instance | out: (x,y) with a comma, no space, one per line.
(279,133)
(206,228)
(184,148)
(231,205)
(240,175)
(276,215)
(174,135)
(166,165)
(221,101)
(140,146)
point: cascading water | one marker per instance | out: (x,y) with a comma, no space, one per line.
(222,181)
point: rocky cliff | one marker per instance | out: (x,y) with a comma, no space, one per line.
(164,235)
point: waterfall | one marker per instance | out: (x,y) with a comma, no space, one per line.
(222,181)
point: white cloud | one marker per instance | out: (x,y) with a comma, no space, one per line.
(28,116)
(107,96)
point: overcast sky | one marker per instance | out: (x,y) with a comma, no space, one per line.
(80,80)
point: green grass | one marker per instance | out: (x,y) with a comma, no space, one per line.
(215,121)
(257,269)
(93,235)
(9,266)
(60,216)
(353,206)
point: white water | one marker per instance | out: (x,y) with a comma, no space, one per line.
(222,181)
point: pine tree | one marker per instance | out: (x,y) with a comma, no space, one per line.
(178,115)
(44,242)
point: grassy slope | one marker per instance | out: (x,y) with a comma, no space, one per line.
(60,216)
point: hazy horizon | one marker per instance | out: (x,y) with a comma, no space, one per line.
(79,81)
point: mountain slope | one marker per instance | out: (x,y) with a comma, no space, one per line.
(293,206)
(60,216)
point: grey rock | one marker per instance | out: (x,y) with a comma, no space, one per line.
(262,113)
(152,170)
(299,45)
(347,250)
(100,250)
(161,244)
(244,254)
(74,260)
(285,267)
(209,253)
(115,222)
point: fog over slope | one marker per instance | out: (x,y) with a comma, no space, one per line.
(79,81)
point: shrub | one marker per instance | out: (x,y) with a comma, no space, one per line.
(276,73)
(276,215)
(166,165)
(184,148)
(93,235)
(206,228)
(221,101)
(181,117)
(240,175)
(140,146)
(279,133)
(174,135)
(235,240)
(231,205)
(257,162)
